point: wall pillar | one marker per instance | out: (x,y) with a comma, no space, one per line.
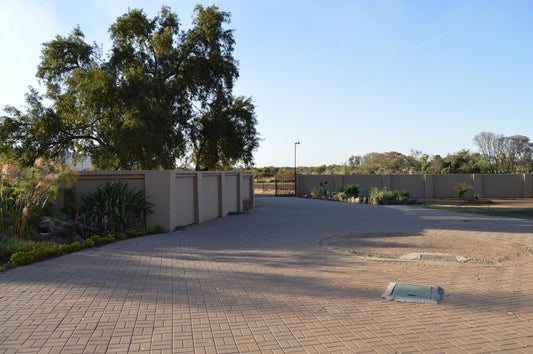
(528,185)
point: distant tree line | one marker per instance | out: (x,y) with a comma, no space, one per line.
(497,154)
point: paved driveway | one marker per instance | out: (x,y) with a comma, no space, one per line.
(261,282)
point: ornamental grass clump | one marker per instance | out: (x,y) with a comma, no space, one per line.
(25,193)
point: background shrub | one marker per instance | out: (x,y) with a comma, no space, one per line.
(385,194)
(402,194)
(461,189)
(351,190)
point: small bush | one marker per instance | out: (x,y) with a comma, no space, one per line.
(120,236)
(95,239)
(316,192)
(339,196)
(89,243)
(461,189)
(385,194)
(351,190)
(402,194)
(382,194)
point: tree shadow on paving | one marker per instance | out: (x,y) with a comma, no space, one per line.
(183,283)
(161,274)
(250,257)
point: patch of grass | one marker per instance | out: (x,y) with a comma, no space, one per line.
(512,212)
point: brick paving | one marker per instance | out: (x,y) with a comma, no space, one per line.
(261,283)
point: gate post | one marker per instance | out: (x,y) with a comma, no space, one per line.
(276,187)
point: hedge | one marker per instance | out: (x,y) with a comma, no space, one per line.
(36,255)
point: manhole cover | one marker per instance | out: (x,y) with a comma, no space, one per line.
(428,294)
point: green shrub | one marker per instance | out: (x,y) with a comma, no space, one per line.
(351,190)
(461,189)
(316,192)
(21,258)
(339,196)
(385,194)
(113,208)
(136,233)
(120,236)
(95,239)
(89,243)
(108,238)
(382,194)
(402,194)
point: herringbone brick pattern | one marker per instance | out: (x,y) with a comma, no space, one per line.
(261,283)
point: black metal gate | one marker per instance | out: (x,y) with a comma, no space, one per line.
(285,187)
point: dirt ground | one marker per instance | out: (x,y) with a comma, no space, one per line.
(477,249)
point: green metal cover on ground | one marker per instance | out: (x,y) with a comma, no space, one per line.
(414,293)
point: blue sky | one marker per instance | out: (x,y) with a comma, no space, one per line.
(341,77)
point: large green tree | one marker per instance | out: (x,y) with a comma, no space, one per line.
(161,95)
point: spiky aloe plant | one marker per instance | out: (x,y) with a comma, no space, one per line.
(113,208)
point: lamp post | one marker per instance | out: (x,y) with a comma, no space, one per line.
(296,143)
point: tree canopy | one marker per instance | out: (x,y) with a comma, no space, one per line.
(161,95)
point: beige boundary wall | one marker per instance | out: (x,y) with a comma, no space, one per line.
(427,186)
(180,197)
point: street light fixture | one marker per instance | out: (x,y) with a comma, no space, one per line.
(296,143)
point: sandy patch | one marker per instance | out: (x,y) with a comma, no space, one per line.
(477,249)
